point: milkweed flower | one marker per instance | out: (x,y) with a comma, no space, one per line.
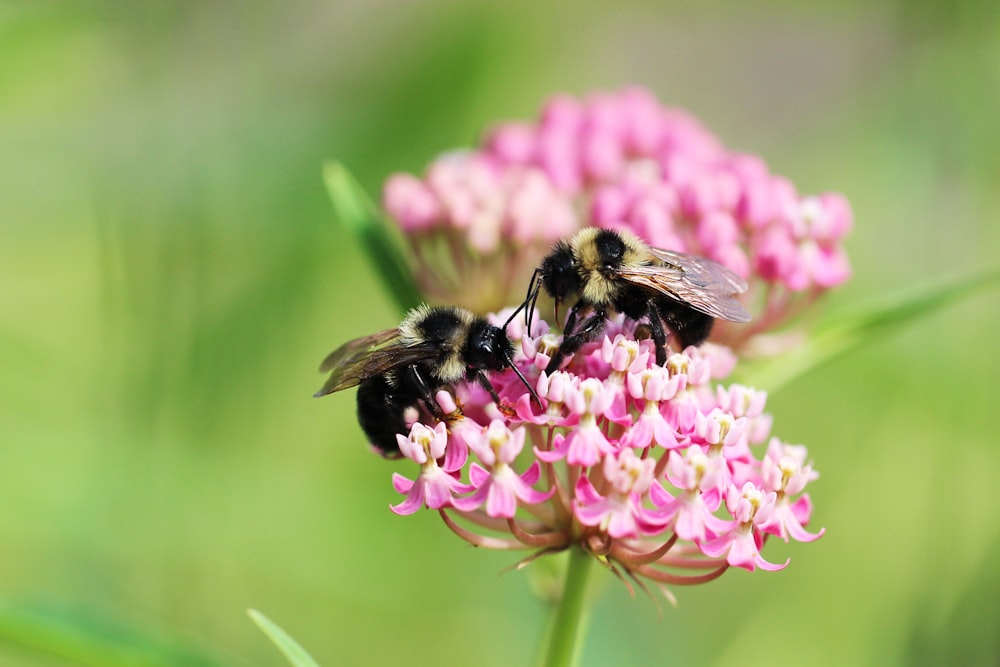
(667,474)
(434,486)
(750,507)
(673,485)
(497,484)
(477,229)
(479,220)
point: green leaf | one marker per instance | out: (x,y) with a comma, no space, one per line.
(94,639)
(359,215)
(859,325)
(288,646)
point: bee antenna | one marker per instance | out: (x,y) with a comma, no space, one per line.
(514,314)
(531,299)
(524,380)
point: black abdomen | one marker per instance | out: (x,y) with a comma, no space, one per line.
(381,411)
(687,325)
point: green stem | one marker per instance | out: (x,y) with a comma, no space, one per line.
(566,636)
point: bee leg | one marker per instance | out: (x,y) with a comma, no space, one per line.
(658,333)
(426,392)
(485,383)
(573,340)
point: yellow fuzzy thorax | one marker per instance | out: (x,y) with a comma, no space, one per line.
(599,286)
(449,366)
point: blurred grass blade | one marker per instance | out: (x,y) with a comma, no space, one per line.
(359,215)
(288,646)
(93,639)
(859,325)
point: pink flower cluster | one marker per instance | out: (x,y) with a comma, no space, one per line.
(618,160)
(661,471)
(664,473)
(476,228)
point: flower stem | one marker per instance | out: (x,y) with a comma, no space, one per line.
(567,630)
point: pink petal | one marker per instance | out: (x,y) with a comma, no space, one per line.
(531,475)
(591,515)
(500,501)
(437,493)
(742,551)
(455,455)
(473,502)
(414,501)
(549,457)
(585,492)
(769,566)
(529,495)
(659,495)
(478,475)
(640,435)
(622,523)
(800,534)
(401,484)
(716,547)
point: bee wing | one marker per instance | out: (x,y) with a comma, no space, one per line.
(349,353)
(371,355)
(702,284)
(708,272)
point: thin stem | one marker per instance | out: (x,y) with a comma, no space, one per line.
(567,631)
(478,540)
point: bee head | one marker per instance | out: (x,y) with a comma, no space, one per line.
(558,272)
(487,347)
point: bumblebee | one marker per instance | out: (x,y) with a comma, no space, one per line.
(610,271)
(399,369)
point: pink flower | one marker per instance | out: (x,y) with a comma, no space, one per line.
(741,401)
(719,427)
(607,487)
(784,470)
(586,443)
(497,484)
(411,202)
(553,390)
(696,476)
(623,356)
(653,386)
(620,513)
(539,350)
(695,367)
(434,486)
(636,458)
(788,518)
(617,159)
(750,507)
(460,429)
(424,444)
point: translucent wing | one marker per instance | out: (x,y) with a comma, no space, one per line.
(704,270)
(370,355)
(702,284)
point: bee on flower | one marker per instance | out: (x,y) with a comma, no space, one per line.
(614,431)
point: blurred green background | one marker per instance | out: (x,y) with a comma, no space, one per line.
(170,276)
